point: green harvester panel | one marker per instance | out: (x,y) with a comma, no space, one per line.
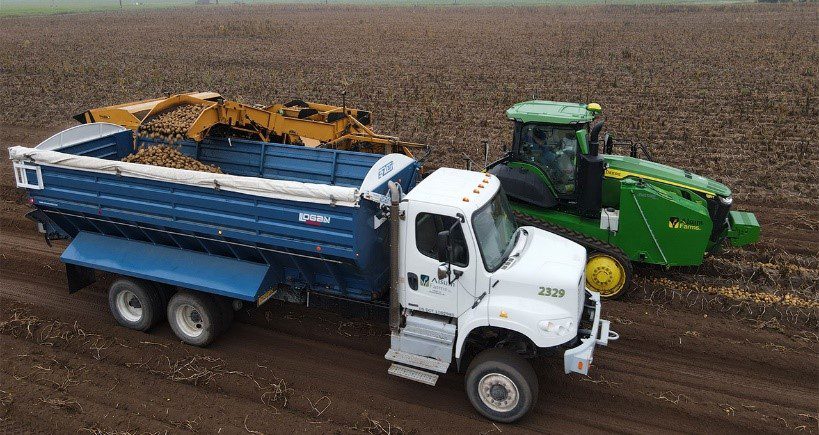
(744,228)
(661,228)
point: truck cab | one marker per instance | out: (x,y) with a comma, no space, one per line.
(474,286)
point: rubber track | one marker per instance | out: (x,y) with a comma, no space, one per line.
(590,243)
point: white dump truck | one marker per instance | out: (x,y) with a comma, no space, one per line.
(465,288)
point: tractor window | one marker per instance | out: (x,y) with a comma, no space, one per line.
(553,149)
(427,227)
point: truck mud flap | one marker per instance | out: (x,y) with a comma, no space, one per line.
(79,277)
(189,269)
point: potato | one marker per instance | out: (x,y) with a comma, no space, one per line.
(167,156)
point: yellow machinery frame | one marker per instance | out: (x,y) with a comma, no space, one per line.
(298,122)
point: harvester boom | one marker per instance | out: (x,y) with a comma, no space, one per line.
(296,122)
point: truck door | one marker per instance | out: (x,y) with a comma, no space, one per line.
(425,291)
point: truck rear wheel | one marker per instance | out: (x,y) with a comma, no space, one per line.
(135,304)
(501,385)
(195,318)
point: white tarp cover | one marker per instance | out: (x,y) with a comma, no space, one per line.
(278,189)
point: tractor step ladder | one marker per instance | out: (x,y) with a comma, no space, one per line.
(413,374)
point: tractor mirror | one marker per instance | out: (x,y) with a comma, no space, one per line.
(582,141)
(442,246)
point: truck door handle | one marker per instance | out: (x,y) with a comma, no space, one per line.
(412,279)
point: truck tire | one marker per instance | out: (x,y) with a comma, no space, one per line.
(501,385)
(195,317)
(135,304)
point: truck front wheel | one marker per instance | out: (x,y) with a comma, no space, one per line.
(195,317)
(135,304)
(501,385)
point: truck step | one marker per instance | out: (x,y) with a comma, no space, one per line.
(418,361)
(413,374)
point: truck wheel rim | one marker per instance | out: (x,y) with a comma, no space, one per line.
(605,275)
(189,321)
(129,306)
(498,392)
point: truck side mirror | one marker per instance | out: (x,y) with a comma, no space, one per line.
(442,246)
(443,271)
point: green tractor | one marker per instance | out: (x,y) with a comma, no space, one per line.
(623,209)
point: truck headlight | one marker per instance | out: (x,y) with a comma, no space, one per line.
(558,327)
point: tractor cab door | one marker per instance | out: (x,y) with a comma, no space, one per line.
(553,149)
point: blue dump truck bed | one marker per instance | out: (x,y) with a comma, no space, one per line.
(280,216)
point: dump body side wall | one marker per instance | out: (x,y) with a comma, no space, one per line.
(250,158)
(329,248)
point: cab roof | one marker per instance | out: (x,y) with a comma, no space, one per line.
(552,112)
(457,188)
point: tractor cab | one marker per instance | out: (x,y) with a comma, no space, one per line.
(549,142)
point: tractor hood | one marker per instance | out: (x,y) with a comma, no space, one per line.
(623,167)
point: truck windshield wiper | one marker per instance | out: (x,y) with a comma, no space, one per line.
(512,243)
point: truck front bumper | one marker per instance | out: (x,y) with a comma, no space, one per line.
(579,358)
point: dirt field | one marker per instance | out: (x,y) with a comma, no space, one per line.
(728,92)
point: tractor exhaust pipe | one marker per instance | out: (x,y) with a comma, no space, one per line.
(590,172)
(594,142)
(395,306)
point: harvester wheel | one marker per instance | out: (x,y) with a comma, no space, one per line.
(195,317)
(610,275)
(135,304)
(501,385)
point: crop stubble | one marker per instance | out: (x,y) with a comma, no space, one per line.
(728,92)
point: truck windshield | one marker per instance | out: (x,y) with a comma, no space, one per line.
(494,226)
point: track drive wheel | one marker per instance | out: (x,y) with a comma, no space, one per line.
(610,275)
(608,269)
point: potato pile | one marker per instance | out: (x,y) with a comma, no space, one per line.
(169,157)
(170,125)
(737,293)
